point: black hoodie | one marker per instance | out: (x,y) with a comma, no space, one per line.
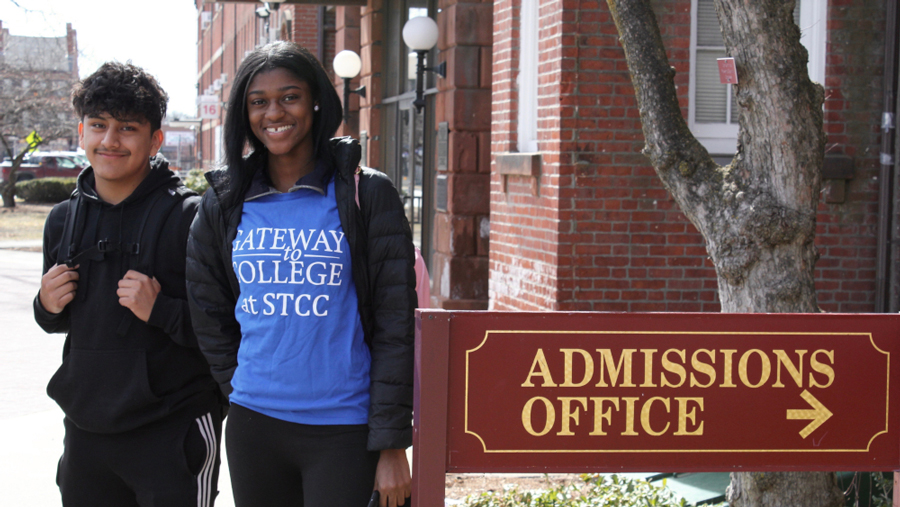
(118,372)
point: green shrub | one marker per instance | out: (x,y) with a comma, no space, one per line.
(51,190)
(594,491)
(196,181)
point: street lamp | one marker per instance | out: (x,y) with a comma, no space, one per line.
(347,66)
(421,34)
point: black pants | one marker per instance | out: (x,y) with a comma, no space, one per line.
(274,463)
(171,463)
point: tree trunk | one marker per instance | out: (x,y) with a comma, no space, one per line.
(8,188)
(757,214)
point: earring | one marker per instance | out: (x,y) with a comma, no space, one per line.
(316,107)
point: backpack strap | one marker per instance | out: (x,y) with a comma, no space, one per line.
(147,239)
(75,218)
(154,221)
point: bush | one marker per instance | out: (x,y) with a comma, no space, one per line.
(50,190)
(196,181)
(595,490)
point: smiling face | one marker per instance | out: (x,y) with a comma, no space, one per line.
(119,151)
(280,112)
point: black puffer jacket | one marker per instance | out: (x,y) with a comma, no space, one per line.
(383,270)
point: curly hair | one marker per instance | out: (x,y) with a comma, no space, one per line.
(122,90)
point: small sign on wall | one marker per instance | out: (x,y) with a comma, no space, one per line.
(364,147)
(727,71)
(443,146)
(209,107)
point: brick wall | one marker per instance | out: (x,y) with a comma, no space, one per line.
(602,233)
(305,25)
(596,230)
(846,234)
(371,50)
(459,264)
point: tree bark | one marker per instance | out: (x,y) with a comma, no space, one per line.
(758,213)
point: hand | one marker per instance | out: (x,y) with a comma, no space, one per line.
(137,292)
(58,287)
(392,478)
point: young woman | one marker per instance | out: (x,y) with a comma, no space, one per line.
(302,298)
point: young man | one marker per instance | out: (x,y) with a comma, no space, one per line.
(143,415)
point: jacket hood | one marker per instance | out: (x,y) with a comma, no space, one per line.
(159,175)
(347,154)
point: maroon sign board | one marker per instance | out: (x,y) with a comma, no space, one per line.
(631,392)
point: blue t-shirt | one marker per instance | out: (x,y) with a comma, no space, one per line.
(302,357)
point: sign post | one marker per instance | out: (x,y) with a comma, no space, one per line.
(629,392)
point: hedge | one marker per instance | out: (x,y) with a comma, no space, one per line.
(45,190)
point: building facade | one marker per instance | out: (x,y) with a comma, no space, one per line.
(36,77)
(523,175)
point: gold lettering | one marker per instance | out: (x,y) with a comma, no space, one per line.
(548,423)
(629,417)
(541,362)
(727,374)
(623,367)
(567,373)
(764,374)
(600,415)
(795,371)
(703,368)
(822,368)
(645,416)
(684,415)
(569,415)
(671,367)
(648,367)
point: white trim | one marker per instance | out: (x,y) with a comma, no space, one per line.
(527,80)
(814,35)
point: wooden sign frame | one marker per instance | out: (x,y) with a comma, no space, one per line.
(811,373)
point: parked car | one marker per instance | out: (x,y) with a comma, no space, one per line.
(47,164)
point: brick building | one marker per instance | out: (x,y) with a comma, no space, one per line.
(523,176)
(36,77)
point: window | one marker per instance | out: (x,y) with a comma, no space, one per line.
(713,113)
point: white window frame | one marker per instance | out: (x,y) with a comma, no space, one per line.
(721,138)
(527,80)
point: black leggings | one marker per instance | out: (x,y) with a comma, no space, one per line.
(276,463)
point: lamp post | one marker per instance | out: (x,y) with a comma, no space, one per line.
(264,12)
(421,34)
(347,66)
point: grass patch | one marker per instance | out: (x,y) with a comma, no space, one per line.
(24,222)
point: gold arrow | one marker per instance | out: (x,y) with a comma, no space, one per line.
(818,415)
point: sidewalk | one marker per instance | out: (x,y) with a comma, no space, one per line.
(29,244)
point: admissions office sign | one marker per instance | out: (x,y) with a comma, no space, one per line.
(627,392)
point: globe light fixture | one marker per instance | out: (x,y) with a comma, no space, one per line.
(347,65)
(421,34)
